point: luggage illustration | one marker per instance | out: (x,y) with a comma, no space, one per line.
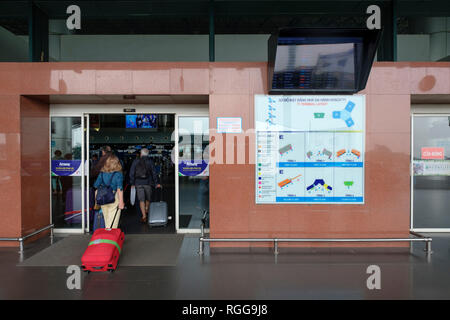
(104,249)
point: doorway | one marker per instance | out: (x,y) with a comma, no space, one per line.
(66,155)
(193,171)
(82,129)
(430,176)
(126,135)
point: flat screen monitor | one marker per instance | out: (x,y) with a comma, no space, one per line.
(320,60)
(315,66)
(141,121)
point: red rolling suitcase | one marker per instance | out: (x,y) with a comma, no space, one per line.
(103,251)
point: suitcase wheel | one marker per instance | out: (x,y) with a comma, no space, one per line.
(110,268)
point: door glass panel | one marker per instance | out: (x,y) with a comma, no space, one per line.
(193,170)
(66,139)
(431,172)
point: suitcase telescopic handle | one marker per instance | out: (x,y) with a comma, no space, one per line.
(160,193)
(114,219)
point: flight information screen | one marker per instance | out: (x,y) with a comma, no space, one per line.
(315,65)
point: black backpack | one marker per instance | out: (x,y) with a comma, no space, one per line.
(141,169)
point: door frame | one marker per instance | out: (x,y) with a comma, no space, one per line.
(84,111)
(420,114)
(177,178)
(82,168)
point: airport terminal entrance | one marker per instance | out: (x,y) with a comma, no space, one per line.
(178,147)
(126,135)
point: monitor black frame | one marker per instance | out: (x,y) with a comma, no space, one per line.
(364,55)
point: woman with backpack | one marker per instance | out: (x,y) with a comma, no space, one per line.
(109,193)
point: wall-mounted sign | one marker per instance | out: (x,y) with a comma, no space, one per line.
(309,149)
(431,168)
(229,125)
(193,168)
(66,168)
(432,153)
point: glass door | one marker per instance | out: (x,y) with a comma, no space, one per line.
(193,171)
(430,178)
(66,153)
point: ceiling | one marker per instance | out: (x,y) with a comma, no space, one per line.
(230,17)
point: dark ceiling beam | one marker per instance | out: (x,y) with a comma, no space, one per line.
(14,9)
(102,9)
(120,9)
(212,46)
(423,8)
(263,8)
(38,34)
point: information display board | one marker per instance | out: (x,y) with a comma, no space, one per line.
(309,149)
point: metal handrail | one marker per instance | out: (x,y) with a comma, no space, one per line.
(22,239)
(420,238)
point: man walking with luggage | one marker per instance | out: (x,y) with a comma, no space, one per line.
(143,177)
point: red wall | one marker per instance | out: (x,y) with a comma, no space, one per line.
(386,212)
(35,163)
(10,167)
(231,87)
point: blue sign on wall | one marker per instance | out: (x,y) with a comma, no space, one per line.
(192,168)
(66,167)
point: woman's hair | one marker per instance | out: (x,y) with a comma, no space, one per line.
(101,162)
(112,164)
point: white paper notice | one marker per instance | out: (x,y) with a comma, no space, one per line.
(229,125)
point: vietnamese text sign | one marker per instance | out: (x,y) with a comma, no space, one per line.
(432,153)
(310,149)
